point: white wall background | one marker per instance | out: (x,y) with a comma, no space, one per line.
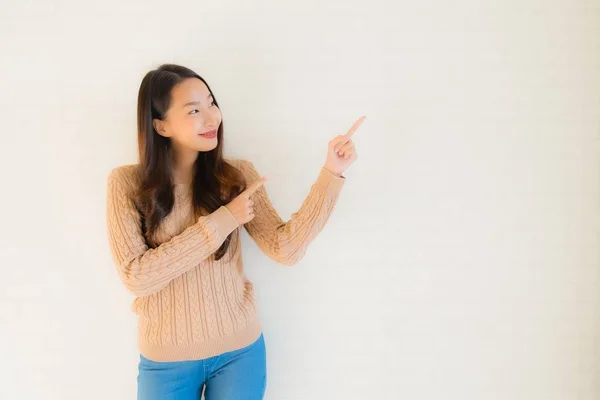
(463,258)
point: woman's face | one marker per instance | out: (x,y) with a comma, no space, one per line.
(192,113)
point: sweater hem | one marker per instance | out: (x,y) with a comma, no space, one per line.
(202,350)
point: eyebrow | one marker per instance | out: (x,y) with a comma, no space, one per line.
(195,102)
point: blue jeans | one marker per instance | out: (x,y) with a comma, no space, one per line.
(235,375)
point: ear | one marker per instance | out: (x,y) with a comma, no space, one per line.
(159,127)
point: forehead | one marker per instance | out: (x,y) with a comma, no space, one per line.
(191,89)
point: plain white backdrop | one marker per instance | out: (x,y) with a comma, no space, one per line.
(462,260)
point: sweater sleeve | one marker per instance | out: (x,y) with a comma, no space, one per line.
(144,270)
(286,241)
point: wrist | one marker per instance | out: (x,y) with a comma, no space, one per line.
(338,174)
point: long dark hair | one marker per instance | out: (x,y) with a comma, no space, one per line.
(215,183)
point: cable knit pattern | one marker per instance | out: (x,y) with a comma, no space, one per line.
(189,305)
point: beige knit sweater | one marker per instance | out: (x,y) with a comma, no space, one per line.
(190,306)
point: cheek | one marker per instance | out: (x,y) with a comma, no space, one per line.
(217,115)
(185,126)
(193,124)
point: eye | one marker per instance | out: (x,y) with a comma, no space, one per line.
(195,109)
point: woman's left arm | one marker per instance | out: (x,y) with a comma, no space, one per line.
(286,241)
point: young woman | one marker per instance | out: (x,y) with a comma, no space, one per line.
(174,224)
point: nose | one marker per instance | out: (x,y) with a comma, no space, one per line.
(209,119)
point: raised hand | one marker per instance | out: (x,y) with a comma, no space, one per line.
(241,206)
(341,152)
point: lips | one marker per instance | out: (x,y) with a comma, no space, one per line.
(209,134)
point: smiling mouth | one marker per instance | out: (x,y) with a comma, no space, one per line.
(210,134)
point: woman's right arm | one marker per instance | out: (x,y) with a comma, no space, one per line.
(144,270)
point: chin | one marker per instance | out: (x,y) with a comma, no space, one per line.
(208,147)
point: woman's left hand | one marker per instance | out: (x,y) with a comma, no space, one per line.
(341,152)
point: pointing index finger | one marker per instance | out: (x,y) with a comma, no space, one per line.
(355,126)
(254,187)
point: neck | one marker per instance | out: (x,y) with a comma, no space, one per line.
(183,165)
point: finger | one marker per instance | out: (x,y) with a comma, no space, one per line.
(254,187)
(355,126)
(349,154)
(339,141)
(345,148)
